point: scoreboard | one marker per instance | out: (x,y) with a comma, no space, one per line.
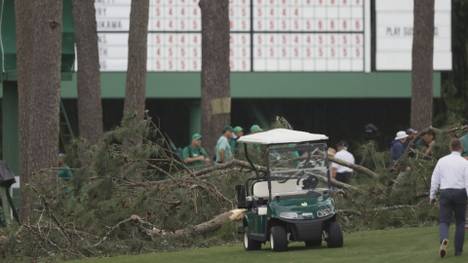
(266,35)
(394,34)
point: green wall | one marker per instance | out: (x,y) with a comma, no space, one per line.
(8,40)
(268,85)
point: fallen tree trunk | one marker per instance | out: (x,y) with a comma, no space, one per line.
(356,167)
(154,232)
(231,164)
(205,227)
(336,183)
(243,164)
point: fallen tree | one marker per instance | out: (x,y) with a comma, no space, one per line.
(356,167)
(202,228)
(142,198)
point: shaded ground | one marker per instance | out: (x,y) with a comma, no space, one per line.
(414,245)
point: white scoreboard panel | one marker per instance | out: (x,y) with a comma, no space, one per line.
(266,35)
(395,35)
(308,52)
(169,52)
(309,15)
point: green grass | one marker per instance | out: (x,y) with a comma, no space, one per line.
(413,245)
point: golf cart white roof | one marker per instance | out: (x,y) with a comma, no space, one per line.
(281,136)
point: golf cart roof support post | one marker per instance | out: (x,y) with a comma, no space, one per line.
(268,173)
(250,161)
(328,173)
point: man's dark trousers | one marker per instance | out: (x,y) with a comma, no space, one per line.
(344,177)
(453,201)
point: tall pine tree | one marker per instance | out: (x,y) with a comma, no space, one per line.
(39,49)
(135,90)
(422,64)
(89,81)
(215,89)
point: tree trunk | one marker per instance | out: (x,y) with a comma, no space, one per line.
(458,95)
(24,38)
(422,64)
(137,59)
(89,82)
(39,48)
(206,227)
(215,91)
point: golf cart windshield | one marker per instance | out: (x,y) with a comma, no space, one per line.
(294,159)
(294,169)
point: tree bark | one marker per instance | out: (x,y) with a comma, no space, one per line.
(356,167)
(89,82)
(39,46)
(457,96)
(215,90)
(202,228)
(137,58)
(24,39)
(422,64)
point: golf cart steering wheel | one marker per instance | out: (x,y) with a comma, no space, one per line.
(309,163)
(310,182)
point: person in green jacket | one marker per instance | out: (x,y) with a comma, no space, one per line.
(194,155)
(237,133)
(255,129)
(223,148)
(64,171)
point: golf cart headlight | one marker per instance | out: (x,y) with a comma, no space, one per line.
(322,212)
(289,215)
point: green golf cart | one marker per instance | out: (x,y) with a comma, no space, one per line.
(290,200)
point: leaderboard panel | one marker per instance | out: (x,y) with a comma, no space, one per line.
(170,52)
(308,52)
(309,15)
(167,15)
(266,35)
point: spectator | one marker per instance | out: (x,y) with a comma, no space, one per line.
(255,128)
(398,145)
(331,151)
(195,155)
(464,141)
(223,148)
(238,132)
(426,142)
(340,172)
(412,133)
(64,171)
(450,178)
(371,132)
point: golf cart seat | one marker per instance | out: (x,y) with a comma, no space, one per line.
(288,188)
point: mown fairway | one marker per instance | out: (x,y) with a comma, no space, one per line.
(413,245)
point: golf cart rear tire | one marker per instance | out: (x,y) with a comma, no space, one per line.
(278,238)
(334,235)
(250,244)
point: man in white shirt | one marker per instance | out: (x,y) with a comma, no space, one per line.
(450,176)
(339,172)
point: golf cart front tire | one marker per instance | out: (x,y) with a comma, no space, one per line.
(250,244)
(334,235)
(278,238)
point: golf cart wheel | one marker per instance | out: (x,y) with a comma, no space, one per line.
(250,244)
(278,238)
(334,235)
(315,243)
